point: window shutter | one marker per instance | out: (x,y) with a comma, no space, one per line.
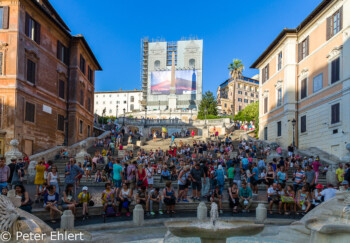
(341,18)
(307,45)
(300,52)
(329,27)
(66,56)
(5,17)
(37,32)
(268,71)
(59,47)
(27,25)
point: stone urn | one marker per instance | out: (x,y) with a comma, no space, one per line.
(13,152)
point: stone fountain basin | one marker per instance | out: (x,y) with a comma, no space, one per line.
(222,230)
(327,226)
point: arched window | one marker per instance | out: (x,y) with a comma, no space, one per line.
(192,63)
(157,64)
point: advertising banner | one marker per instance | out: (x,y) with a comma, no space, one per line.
(185,83)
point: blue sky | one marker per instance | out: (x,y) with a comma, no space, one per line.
(229,29)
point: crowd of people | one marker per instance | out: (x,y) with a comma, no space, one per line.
(198,169)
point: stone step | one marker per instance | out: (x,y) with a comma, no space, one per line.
(179,207)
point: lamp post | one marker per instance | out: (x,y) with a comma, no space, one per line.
(124,117)
(116,113)
(205,115)
(293,123)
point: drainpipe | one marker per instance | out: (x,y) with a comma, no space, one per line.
(297,96)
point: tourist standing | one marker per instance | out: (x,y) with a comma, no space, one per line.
(196,173)
(316,167)
(72,172)
(340,174)
(169,197)
(39,178)
(4,173)
(117,176)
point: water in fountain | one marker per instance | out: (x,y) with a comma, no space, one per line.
(214,215)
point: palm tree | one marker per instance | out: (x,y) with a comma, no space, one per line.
(236,69)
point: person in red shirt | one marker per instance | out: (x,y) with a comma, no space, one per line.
(193,133)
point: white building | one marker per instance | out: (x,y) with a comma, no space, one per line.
(116,101)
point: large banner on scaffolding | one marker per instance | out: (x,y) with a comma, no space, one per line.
(185,83)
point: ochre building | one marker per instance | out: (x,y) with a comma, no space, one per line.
(46,78)
(245,91)
(305,77)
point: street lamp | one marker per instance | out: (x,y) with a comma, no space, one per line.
(205,114)
(145,114)
(159,109)
(124,117)
(293,123)
(116,113)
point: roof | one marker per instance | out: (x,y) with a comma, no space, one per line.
(243,78)
(120,91)
(57,16)
(60,23)
(286,31)
(82,38)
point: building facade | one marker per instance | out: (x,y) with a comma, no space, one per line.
(157,74)
(305,77)
(46,78)
(237,93)
(114,102)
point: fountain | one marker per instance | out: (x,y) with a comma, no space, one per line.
(215,230)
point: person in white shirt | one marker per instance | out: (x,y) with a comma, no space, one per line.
(328,193)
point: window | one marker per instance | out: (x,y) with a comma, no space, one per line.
(279,129)
(245,93)
(318,83)
(82,97)
(252,95)
(1,110)
(240,92)
(61,89)
(157,64)
(335,66)
(1,62)
(303,124)
(245,100)
(32,29)
(96,102)
(4,18)
(257,96)
(265,133)
(90,75)
(31,66)
(335,117)
(265,73)
(80,126)
(60,123)
(62,53)
(279,64)
(104,102)
(82,64)
(225,105)
(303,91)
(239,86)
(131,107)
(30,112)
(266,104)
(251,101)
(88,131)
(192,63)
(89,104)
(110,111)
(303,49)
(335,23)
(239,108)
(279,97)
(239,99)
(132,99)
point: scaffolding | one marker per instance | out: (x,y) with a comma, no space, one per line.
(144,70)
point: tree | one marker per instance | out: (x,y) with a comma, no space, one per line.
(236,69)
(208,102)
(250,113)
